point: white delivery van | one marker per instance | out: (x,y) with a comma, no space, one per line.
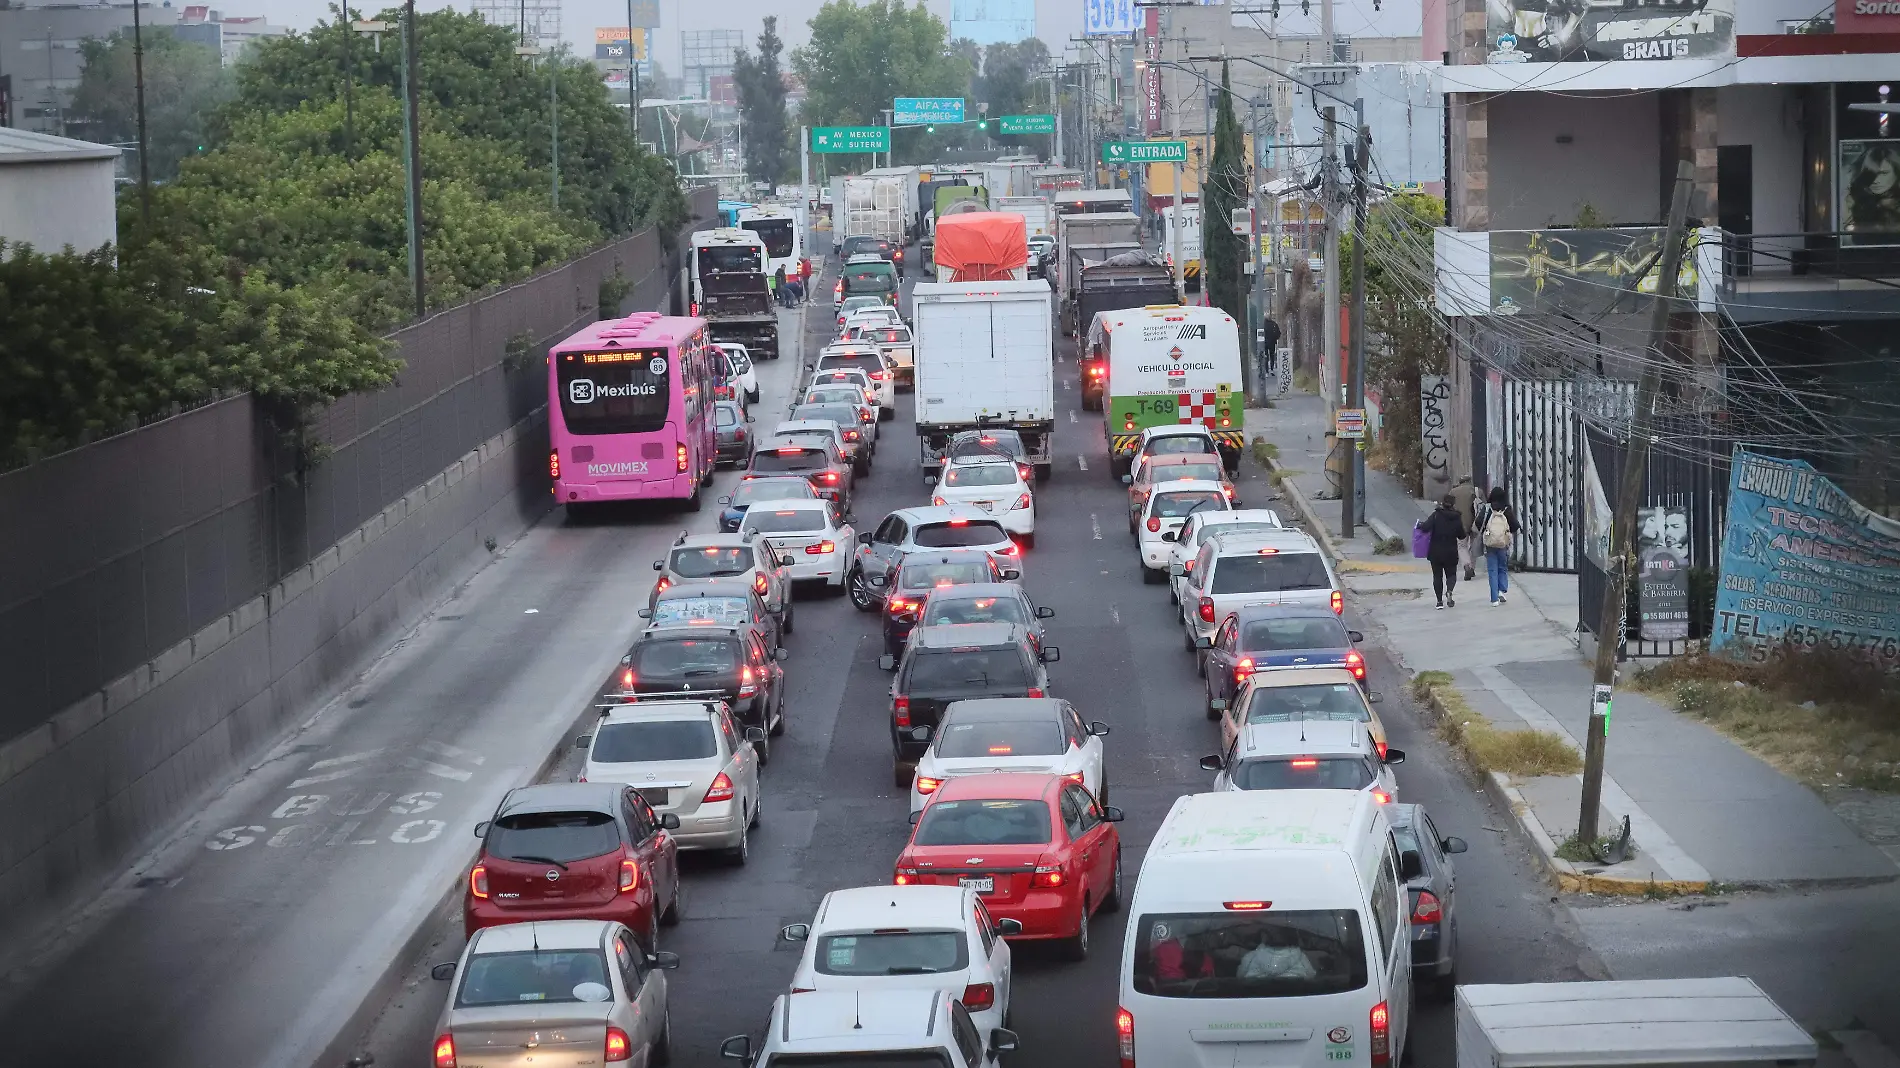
(1268,929)
(983,357)
(1691,1023)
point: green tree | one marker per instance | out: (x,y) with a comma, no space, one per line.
(185,83)
(761,85)
(1222,251)
(861,56)
(1013,82)
(1404,340)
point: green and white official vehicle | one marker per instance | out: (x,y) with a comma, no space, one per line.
(1169,365)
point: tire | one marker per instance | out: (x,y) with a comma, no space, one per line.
(1187,639)
(693,503)
(663,1050)
(677,909)
(739,854)
(1113,902)
(764,749)
(1173,596)
(901,775)
(758,809)
(753,396)
(789,613)
(1029,540)
(1044,472)
(860,591)
(1149,576)
(778,725)
(1077,948)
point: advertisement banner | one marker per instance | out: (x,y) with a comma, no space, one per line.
(1583,272)
(1570,31)
(1870,190)
(1151,76)
(1105,18)
(1662,572)
(1805,563)
(610,42)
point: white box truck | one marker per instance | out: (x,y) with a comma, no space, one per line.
(1705,1023)
(984,358)
(1037,218)
(873,206)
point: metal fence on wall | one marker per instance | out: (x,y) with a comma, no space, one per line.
(121,549)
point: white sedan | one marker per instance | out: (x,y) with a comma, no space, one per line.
(1167,508)
(992,484)
(1040,735)
(740,372)
(811,536)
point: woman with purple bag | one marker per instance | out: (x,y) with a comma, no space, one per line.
(1436,537)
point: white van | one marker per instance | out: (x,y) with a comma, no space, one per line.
(1268,930)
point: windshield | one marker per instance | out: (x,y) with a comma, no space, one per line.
(961,572)
(1027,736)
(665,739)
(1281,635)
(1183,503)
(776,233)
(614,392)
(956,670)
(784,520)
(1340,702)
(721,259)
(981,475)
(772,489)
(1265,954)
(539,976)
(1176,444)
(1211,471)
(561,837)
(974,610)
(672,659)
(792,460)
(711,561)
(1271,573)
(892,953)
(960,534)
(1303,773)
(974,823)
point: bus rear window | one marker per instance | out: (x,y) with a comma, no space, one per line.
(614,392)
(776,233)
(1270,953)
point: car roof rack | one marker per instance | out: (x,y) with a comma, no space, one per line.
(712,699)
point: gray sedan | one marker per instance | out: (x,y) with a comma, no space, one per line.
(1432,882)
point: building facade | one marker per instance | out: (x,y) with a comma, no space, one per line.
(40,60)
(989,22)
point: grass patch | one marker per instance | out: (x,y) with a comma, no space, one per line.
(1265,452)
(1577,851)
(1824,716)
(1391,546)
(1524,753)
(1305,381)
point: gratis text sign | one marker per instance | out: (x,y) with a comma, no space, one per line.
(917,110)
(1144,152)
(850,139)
(1027,124)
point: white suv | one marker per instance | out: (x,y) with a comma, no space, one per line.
(1284,567)
(924,1027)
(1203,525)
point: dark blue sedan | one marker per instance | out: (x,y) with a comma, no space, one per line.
(762,488)
(1264,637)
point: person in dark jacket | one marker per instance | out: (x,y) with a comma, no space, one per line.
(1497,529)
(1445,530)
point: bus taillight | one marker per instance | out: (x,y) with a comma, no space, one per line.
(679,457)
(554,464)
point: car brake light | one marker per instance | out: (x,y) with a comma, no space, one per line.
(679,457)
(1243,669)
(694,308)
(1381,747)
(1021,503)
(831,476)
(1382,797)
(627,678)
(1229,491)
(1129,425)
(1357,665)
(1427,910)
(1125,1036)
(445,1051)
(959,522)
(1095,372)
(629,874)
(851,435)
(1047,877)
(748,682)
(478,882)
(1381,1036)
(877,376)
(1074,777)
(901,879)
(1246,906)
(821,548)
(928,785)
(901,708)
(1207,610)
(979,996)
(554,465)
(900,255)
(1339,603)
(938,501)
(758,582)
(899,605)
(1025,472)
(619,1046)
(1188,567)
(1035,691)
(721,788)
(1012,549)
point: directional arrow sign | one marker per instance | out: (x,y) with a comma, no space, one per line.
(920,110)
(1144,152)
(850,139)
(1028,124)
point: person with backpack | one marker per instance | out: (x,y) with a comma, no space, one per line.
(1465,495)
(1443,531)
(1498,528)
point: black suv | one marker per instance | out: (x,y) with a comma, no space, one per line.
(869,245)
(954,662)
(732,662)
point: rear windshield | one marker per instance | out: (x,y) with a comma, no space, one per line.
(711,561)
(870,278)
(1277,635)
(1211,471)
(1254,573)
(614,392)
(839,376)
(1265,954)
(685,658)
(1175,444)
(981,475)
(538,976)
(843,416)
(784,520)
(861,361)
(893,953)
(925,576)
(959,535)
(891,335)
(974,823)
(772,489)
(741,360)
(921,1058)
(795,460)
(729,610)
(1303,773)
(667,739)
(1340,702)
(725,415)
(1030,736)
(995,443)
(834,395)
(951,669)
(1184,503)
(974,610)
(552,837)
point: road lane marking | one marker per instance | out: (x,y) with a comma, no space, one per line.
(1114,614)
(1096,526)
(350,759)
(454,752)
(433,768)
(1073,419)
(1083,461)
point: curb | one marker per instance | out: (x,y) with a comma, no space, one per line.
(1307,515)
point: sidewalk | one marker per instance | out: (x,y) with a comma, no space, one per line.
(1702,809)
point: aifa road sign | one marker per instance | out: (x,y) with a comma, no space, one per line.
(922,110)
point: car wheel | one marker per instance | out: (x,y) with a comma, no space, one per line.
(901,775)
(1077,948)
(753,396)
(1149,576)
(1208,696)
(764,749)
(789,612)
(663,1049)
(860,591)
(1187,637)
(1200,663)
(1113,902)
(1174,596)
(693,502)
(757,808)
(778,722)
(742,852)
(677,909)
(1028,540)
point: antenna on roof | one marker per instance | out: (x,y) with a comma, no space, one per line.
(534,936)
(857,1010)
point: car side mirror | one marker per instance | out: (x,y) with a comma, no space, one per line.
(915,816)
(879,581)
(663,960)
(785,559)
(920,734)
(1203,642)
(659,565)
(864,538)
(583,741)
(1111,814)
(1374,697)
(1393,756)
(794,932)
(1128,480)
(1355,636)
(1176,570)
(481,829)
(669,821)
(755,734)
(781,653)
(727,499)
(625,660)
(930,480)
(1045,613)
(1002,1039)
(645,613)
(736,1048)
(1097,728)
(442,972)
(887,662)
(1211,763)
(1172,536)
(1051,654)
(1009,927)
(1453,845)
(1410,866)
(1011,574)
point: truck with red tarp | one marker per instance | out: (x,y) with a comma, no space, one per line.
(982,246)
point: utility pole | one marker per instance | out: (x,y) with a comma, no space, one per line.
(633,79)
(1175,243)
(138,79)
(554,118)
(349,84)
(1629,495)
(804,175)
(412,151)
(1055,105)
(1329,314)
(1353,477)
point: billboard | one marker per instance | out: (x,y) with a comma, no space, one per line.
(1108,17)
(1582,271)
(1869,175)
(1569,31)
(610,43)
(989,22)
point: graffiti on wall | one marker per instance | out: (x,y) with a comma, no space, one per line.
(1434,432)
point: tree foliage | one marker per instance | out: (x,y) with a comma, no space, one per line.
(1223,251)
(185,83)
(769,155)
(1403,337)
(861,56)
(1012,83)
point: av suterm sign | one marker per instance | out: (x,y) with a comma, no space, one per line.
(850,139)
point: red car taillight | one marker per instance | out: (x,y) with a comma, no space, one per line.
(1025,472)
(1381,1027)
(554,464)
(1154,524)
(1012,549)
(1075,777)
(693,308)
(877,376)
(619,1046)
(899,256)
(899,606)
(829,477)
(901,708)
(1339,603)
(445,1051)
(721,788)
(628,678)
(927,784)
(1427,909)
(979,996)
(1021,503)
(1125,1036)
(758,582)
(1035,691)
(478,883)
(1381,747)
(1357,665)
(679,457)
(748,681)
(851,435)
(1207,610)
(938,501)
(629,875)
(821,548)
(1243,669)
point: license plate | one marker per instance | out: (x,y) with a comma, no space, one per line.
(984,885)
(655,795)
(987,506)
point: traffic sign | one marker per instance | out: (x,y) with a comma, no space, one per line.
(915,110)
(1144,152)
(850,139)
(1028,124)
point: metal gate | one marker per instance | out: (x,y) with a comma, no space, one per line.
(1537,429)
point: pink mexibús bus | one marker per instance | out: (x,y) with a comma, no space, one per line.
(630,410)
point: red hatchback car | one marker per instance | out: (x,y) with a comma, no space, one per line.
(575,851)
(1037,848)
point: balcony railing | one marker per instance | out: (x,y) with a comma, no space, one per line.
(1826,259)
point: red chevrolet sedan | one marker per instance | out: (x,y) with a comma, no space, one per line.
(576,851)
(1036,847)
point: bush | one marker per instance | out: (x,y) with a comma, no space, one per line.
(1525,753)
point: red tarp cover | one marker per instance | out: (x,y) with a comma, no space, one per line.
(981,246)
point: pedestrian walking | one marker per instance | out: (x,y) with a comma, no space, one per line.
(1498,527)
(1444,530)
(1465,495)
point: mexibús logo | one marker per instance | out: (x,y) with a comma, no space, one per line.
(581,391)
(587,391)
(628,467)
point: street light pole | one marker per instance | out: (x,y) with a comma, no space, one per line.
(412,151)
(1352,481)
(349,84)
(138,78)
